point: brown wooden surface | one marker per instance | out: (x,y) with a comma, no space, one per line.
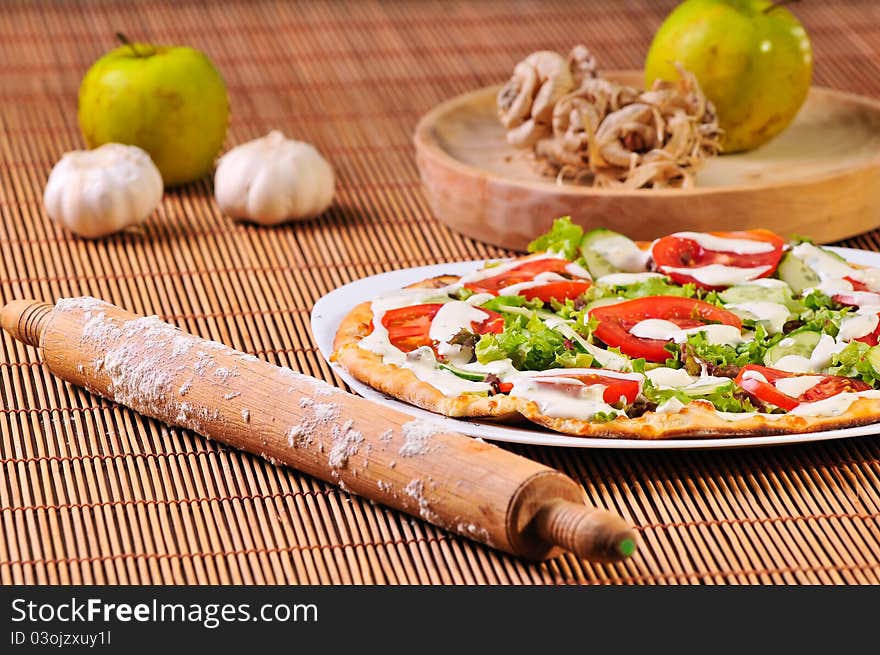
(821,178)
(90,492)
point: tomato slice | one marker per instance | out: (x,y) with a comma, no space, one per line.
(765,391)
(615,387)
(615,322)
(681,252)
(857,298)
(561,290)
(828,386)
(409,327)
(853,300)
(493,324)
(523,273)
(856,285)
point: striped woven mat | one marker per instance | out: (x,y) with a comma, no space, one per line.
(93,493)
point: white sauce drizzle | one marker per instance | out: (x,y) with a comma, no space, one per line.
(504,267)
(626,279)
(819,359)
(657,328)
(671,406)
(558,403)
(449,321)
(719,275)
(860,324)
(726,244)
(771,314)
(622,253)
(479,298)
(539,280)
(576,270)
(663,377)
(829,267)
(862,298)
(798,384)
(769,283)
(835,405)
(423,364)
(754,375)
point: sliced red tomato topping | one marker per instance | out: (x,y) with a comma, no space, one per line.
(409,327)
(561,290)
(680,252)
(872,338)
(852,300)
(615,387)
(615,322)
(766,392)
(831,385)
(524,272)
(856,285)
(494,323)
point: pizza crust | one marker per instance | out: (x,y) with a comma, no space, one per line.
(697,419)
(402,383)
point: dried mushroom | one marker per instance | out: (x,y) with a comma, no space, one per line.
(584,128)
(526,102)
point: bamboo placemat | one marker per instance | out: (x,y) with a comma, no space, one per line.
(91,493)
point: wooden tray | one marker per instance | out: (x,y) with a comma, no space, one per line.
(820,178)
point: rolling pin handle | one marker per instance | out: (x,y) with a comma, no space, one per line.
(25,320)
(589,533)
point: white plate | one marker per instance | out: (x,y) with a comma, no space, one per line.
(329,311)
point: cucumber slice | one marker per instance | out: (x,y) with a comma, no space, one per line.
(799,343)
(472,376)
(796,273)
(743,293)
(697,390)
(873,358)
(606,252)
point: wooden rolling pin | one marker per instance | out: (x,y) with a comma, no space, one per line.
(457,483)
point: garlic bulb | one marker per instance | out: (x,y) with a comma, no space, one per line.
(98,192)
(272,180)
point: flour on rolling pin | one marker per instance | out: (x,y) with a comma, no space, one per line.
(457,483)
(142,379)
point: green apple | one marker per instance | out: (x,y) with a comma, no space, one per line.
(751,57)
(170,101)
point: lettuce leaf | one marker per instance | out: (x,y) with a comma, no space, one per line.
(699,348)
(658,286)
(531,345)
(725,398)
(855,361)
(498,303)
(823,319)
(564,237)
(653,286)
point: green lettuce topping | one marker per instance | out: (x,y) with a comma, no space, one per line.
(725,398)
(502,304)
(564,237)
(656,286)
(531,345)
(857,360)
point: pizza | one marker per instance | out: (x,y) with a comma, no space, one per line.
(696,334)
